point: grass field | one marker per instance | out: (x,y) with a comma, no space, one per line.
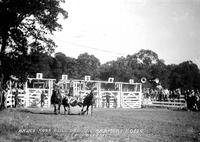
(106,125)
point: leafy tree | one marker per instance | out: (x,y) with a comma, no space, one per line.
(56,69)
(41,62)
(147,57)
(15,65)
(133,66)
(106,70)
(25,26)
(160,71)
(68,64)
(185,76)
(110,69)
(88,65)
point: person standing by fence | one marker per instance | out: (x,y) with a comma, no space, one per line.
(115,101)
(16,93)
(43,96)
(107,100)
(198,101)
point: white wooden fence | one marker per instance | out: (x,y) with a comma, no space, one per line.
(121,94)
(10,98)
(30,96)
(170,103)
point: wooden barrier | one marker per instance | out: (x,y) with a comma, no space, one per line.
(30,96)
(120,94)
(173,103)
(131,100)
(34,97)
(10,101)
(167,104)
(10,98)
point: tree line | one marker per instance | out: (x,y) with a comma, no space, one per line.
(145,63)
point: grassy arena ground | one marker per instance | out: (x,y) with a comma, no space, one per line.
(106,125)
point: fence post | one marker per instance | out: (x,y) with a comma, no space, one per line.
(49,94)
(27,94)
(140,96)
(120,98)
(99,95)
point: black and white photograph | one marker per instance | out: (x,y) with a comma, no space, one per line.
(99,70)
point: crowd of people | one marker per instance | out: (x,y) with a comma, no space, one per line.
(190,97)
(193,100)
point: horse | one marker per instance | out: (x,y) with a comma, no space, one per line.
(56,99)
(66,103)
(88,101)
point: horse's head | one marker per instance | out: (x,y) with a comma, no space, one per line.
(91,94)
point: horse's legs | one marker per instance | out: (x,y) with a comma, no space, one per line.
(58,108)
(64,109)
(68,109)
(83,112)
(54,108)
(91,109)
(82,108)
(87,109)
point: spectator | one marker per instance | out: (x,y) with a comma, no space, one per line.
(3,99)
(16,93)
(188,100)
(198,102)
(115,101)
(107,100)
(43,96)
(159,95)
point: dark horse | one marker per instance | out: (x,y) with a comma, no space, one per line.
(88,101)
(56,99)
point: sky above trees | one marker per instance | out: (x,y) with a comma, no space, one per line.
(113,28)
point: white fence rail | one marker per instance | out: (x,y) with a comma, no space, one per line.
(170,103)
(116,94)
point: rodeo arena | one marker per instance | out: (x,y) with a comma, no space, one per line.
(39,92)
(118,111)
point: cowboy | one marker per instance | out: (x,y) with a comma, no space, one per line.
(70,88)
(43,96)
